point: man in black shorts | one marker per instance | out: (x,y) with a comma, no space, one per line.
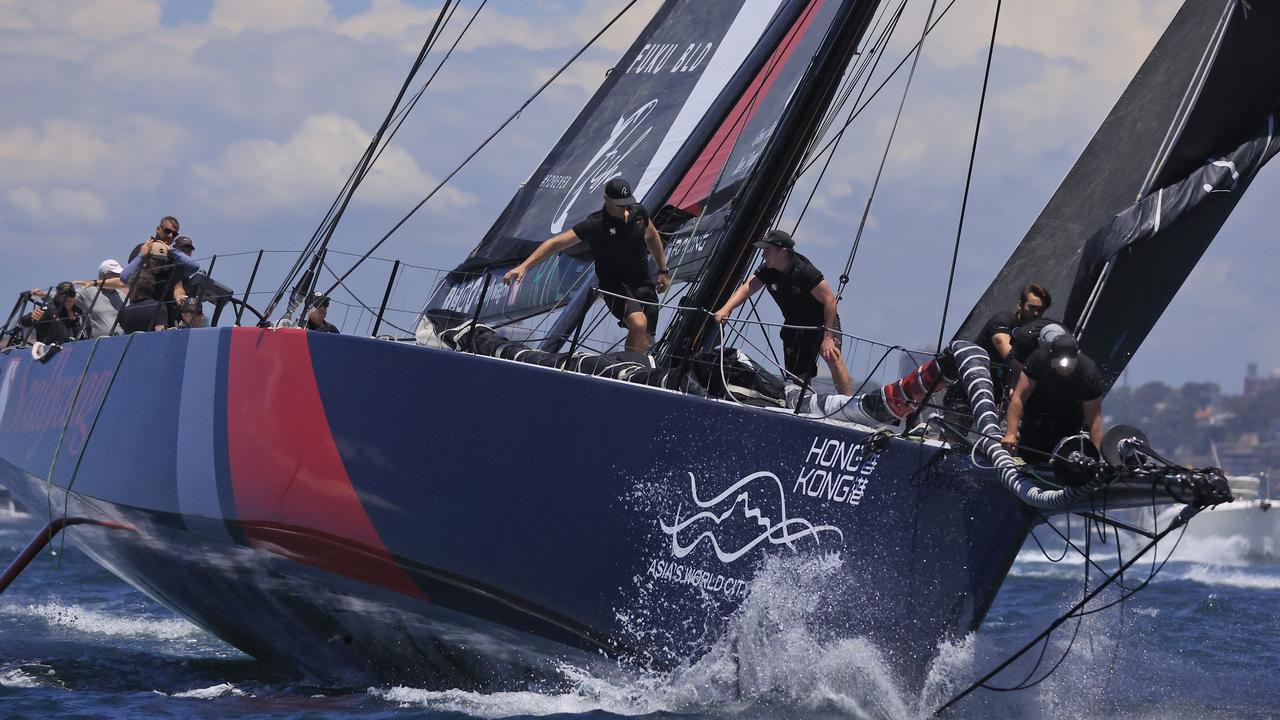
(806,300)
(1060,393)
(618,236)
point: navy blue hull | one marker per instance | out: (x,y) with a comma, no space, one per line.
(361,510)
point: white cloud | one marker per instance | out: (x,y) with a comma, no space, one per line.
(254,177)
(269,17)
(61,205)
(128,150)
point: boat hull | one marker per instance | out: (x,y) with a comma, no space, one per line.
(366,511)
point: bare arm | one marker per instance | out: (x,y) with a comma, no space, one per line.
(1014,418)
(1003,343)
(822,293)
(555,244)
(654,240)
(1093,420)
(739,296)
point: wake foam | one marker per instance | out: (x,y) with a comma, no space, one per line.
(97,622)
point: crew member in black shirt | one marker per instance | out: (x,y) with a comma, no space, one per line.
(316,317)
(997,337)
(1060,393)
(58,322)
(618,236)
(806,300)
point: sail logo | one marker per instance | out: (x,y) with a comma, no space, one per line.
(653,58)
(750,513)
(606,164)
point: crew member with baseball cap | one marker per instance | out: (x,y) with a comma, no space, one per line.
(1059,394)
(806,301)
(618,235)
(101,301)
(58,321)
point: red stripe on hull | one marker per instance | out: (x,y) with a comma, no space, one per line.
(285,466)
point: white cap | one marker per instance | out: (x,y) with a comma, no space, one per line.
(110,266)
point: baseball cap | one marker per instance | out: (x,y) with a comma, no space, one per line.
(318,299)
(1064,353)
(65,288)
(619,191)
(110,266)
(159,251)
(184,244)
(776,238)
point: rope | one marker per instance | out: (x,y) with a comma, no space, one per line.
(968,178)
(511,118)
(866,212)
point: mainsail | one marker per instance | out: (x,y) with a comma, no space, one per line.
(1156,183)
(653,114)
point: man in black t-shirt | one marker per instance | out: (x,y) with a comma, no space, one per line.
(1060,393)
(619,236)
(317,316)
(806,301)
(997,337)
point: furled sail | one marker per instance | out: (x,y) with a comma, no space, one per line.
(1204,95)
(650,118)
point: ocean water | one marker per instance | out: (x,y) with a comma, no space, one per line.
(1202,641)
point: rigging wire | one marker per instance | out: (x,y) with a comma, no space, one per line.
(324,232)
(511,118)
(968,179)
(882,43)
(862,224)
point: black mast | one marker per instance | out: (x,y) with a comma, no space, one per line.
(761,199)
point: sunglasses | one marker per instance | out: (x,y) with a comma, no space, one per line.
(168,232)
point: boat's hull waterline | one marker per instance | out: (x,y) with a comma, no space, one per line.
(292,494)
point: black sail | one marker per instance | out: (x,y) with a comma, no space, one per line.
(1205,92)
(648,121)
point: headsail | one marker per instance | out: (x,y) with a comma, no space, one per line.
(1206,90)
(651,116)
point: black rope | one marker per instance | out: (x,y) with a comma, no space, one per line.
(324,231)
(968,178)
(877,54)
(483,144)
(866,212)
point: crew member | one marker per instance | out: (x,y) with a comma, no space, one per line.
(618,235)
(59,321)
(1060,393)
(319,311)
(997,337)
(806,300)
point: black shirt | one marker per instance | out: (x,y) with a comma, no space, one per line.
(143,315)
(1001,322)
(617,245)
(322,327)
(1060,395)
(53,328)
(793,291)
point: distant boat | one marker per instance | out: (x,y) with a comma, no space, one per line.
(1247,528)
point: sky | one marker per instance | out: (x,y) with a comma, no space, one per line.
(242,118)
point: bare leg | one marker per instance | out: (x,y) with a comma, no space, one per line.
(637,329)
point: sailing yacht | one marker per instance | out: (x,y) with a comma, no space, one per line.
(480,504)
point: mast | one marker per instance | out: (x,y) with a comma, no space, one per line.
(761,197)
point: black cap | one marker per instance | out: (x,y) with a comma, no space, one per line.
(619,192)
(184,244)
(776,238)
(318,299)
(65,288)
(1064,352)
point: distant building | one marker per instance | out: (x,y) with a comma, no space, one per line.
(1255,383)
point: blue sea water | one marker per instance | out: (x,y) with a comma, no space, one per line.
(1203,640)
